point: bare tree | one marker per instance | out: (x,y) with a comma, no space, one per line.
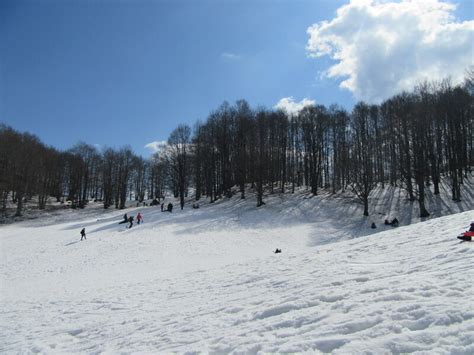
(362,159)
(178,143)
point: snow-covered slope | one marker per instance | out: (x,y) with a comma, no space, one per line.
(207,280)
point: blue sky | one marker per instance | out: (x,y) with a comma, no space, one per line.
(128,72)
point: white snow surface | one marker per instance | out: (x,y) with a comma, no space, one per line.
(207,280)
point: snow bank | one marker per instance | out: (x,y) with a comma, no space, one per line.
(207,280)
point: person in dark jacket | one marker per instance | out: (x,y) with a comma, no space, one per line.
(130,220)
(125,219)
(83,234)
(472,227)
(170,207)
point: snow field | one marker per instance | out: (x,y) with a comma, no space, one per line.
(207,281)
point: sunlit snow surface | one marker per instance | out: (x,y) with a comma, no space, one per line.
(207,280)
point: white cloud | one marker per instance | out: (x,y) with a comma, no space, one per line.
(382,48)
(292,107)
(156,146)
(231,56)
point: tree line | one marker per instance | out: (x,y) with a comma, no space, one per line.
(29,168)
(414,140)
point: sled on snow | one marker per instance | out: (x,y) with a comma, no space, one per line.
(466,236)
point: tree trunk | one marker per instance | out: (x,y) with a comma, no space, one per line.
(366,206)
(421,200)
(19,206)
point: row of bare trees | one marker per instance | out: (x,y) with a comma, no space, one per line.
(413,140)
(30,169)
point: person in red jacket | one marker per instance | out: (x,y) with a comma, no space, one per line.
(139,218)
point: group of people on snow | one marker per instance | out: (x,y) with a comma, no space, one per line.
(393,223)
(129,219)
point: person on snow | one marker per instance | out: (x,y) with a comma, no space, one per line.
(139,218)
(394,222)
(162,207)
(125,219)
(468,235)
(170,207)
(130,220)
(472,227)
(83,234)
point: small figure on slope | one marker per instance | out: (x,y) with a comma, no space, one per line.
(83,234)
(125,219)
(170,207)
(130,220)
(468,235)
(139,218)
(394,222)
(277,251)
